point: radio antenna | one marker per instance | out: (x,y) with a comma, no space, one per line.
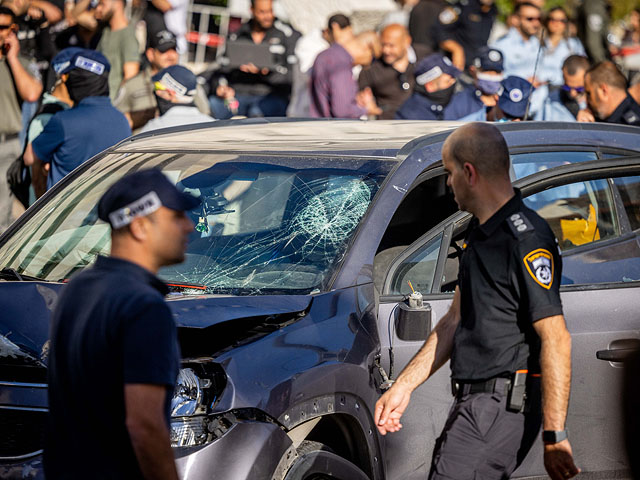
(535,71)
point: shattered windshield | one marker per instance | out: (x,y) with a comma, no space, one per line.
(266,224)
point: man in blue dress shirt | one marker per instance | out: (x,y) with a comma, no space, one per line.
(73,136)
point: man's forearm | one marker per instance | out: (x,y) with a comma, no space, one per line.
(555,362)
(152,447)
(435,352)
(28,87)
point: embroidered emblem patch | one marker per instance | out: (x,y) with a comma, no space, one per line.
(539,264)
(448,16)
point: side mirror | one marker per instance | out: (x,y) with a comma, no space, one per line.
(413,323)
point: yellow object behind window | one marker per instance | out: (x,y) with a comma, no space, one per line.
(581,231)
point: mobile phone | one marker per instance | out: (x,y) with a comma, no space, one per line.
(5,48)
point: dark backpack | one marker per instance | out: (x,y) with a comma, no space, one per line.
(18,175)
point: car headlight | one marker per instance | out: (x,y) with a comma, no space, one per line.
(193,399)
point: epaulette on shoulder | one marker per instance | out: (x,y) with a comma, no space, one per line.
(519,224)
(283,27)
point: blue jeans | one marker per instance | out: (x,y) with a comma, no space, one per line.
(251,106)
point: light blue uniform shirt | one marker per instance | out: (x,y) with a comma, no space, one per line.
(519,54)
(550,67)
(554,110)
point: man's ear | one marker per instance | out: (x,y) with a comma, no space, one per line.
(139,228)
(470,173)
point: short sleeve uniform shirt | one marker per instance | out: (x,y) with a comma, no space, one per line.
(111,327)
(509,278)
(73,136)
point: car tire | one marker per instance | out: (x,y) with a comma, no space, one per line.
(316,461)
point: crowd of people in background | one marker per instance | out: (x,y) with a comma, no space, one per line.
(77,76)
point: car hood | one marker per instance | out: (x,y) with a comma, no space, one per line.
(26,309)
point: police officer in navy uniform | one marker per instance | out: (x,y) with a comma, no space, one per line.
(434,95)
(464,28)
(486,72)
(607,95)
(113,337)
(504,332)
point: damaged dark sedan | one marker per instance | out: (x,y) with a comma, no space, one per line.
(290,304)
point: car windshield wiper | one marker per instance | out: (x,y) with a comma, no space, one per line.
(9,273)
(184,287)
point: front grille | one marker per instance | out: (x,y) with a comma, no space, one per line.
(22,432)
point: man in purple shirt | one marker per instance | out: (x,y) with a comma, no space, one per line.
(334,91)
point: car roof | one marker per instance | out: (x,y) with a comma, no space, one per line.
(381,138)
(351,137)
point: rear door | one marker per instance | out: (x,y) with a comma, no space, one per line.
(594,213)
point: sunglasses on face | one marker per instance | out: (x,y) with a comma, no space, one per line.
(6,27)
(561,20)
(567,88)
(531,19)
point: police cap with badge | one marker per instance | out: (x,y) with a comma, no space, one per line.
(140,194)
(489,60)
(514,96)
(432,67)
(179,79)
(163,41)
(84,59)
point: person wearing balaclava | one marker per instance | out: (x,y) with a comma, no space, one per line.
(434,96)
(75,135)
(175,90)
(486,71)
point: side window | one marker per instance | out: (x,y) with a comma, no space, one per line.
(525,164)
(419,269)
(629,188)
(578,213)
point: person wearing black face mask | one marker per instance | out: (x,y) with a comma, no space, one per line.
(434,96)
(73,136)
(175,90)
(564,103)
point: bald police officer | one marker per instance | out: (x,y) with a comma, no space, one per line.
(504,332)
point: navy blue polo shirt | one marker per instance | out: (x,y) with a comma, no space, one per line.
(73,136)
(111,327)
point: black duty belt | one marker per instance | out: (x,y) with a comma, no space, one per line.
(5,137)
(498,384)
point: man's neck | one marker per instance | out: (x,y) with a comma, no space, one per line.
(617,97)
(401,64)
(134,255)
(118,21)
(491,201)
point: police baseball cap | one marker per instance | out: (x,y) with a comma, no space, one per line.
(489,59)
(514,95)
(140,194)
(63,59)
(177,78)
(162,41)
(433,66)
(85,59)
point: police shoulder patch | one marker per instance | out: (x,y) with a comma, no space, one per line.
(539,264)
(519,224)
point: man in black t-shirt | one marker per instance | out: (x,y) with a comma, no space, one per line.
(505,332)
(114,355)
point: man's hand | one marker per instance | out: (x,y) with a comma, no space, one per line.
(13,47)
(365,99)
(390,407)
(225,92)
(558,461)
(251,68)
(585,116)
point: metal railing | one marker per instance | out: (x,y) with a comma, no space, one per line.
(201,37)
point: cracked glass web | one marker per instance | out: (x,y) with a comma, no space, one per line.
(282,233)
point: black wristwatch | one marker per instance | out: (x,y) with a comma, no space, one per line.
(553,436)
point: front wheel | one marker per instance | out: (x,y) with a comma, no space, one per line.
(316,461)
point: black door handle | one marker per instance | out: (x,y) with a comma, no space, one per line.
(619,350)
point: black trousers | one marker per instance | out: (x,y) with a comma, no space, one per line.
(483,440)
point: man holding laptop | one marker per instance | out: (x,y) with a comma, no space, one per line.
(256,82)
